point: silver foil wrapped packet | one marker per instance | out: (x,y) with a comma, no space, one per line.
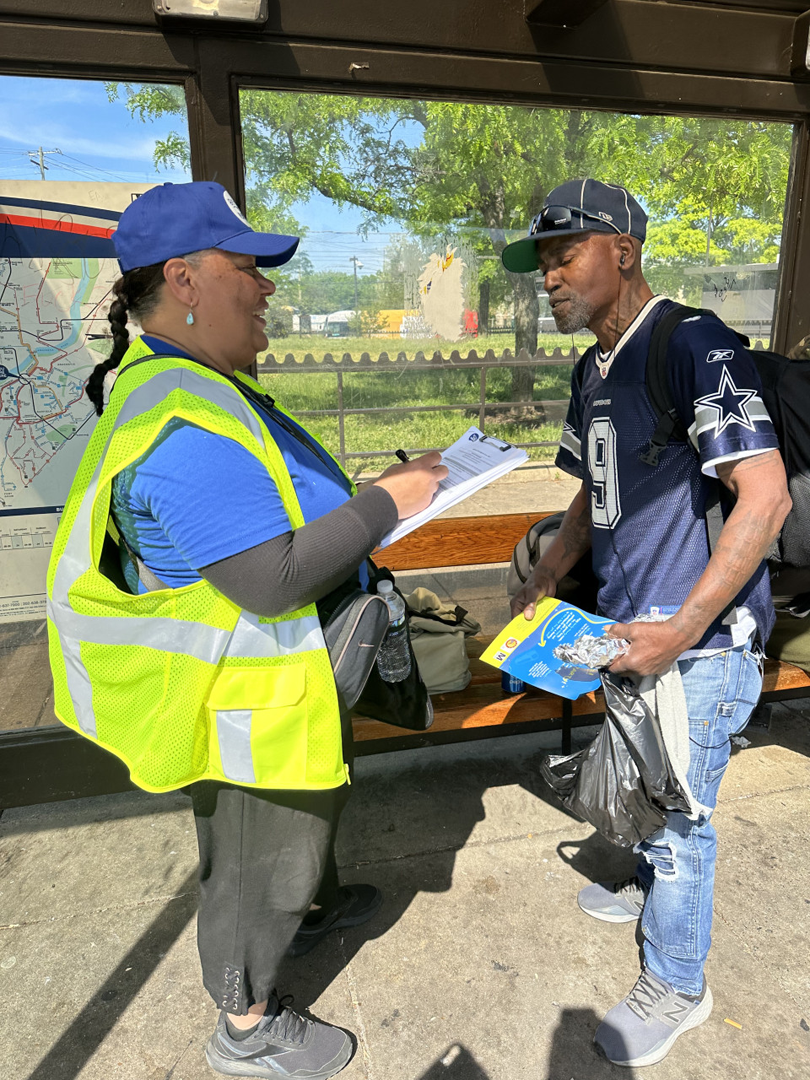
(592,652)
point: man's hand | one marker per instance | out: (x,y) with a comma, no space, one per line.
(541,583)
(654,647)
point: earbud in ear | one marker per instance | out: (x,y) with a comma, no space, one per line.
(621,261)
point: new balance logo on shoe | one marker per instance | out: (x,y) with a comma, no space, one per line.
(642,1028)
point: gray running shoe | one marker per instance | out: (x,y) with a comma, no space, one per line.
(641,1029)
(355,904)
(622,902)
(286,1044)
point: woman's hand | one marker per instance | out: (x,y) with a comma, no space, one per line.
(413,484)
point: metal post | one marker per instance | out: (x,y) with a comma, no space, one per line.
(341,421)
(792,318)
(482,398)
(567,717)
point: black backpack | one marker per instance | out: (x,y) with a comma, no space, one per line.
(579,586)
(786,395)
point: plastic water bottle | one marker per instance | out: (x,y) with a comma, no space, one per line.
(394,657)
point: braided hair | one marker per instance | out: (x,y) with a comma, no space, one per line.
(137,291)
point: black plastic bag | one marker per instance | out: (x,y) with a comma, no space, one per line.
(623,783)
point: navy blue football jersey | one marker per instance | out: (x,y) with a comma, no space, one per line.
(649,537)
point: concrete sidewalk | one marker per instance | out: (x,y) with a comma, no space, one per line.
(479,966)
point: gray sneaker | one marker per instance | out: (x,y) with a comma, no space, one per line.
(622,902)
(641,1029)
(286,1044)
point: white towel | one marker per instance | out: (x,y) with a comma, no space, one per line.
(665,698)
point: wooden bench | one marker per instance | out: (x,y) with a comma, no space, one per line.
(484,709)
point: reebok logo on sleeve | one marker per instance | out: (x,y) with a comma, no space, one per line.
(720,354)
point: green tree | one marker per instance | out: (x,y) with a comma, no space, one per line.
(714,188)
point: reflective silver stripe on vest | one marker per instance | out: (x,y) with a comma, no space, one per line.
(74,562)
(233,734)
(168,635)
(205,643)
(79,688)
(254,639)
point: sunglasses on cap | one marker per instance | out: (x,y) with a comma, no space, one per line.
(552,218)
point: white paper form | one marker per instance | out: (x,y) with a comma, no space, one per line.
(473,461)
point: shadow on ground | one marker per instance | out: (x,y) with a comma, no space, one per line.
(456,1063)
(77,1044)
(391,836)
(402,830)
(572,1053)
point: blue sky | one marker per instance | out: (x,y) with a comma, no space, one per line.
(332,237)
(100,141)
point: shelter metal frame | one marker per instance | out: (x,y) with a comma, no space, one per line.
(741,58)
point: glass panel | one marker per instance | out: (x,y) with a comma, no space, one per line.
(405,207)
(72,156)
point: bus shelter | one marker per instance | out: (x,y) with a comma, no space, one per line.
(408,144)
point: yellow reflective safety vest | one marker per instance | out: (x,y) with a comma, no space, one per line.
(182,684)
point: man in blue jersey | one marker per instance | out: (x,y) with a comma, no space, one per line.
(646,529)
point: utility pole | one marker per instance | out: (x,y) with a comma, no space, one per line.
(357,266)
(37,157)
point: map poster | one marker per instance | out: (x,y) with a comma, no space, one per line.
(57,268)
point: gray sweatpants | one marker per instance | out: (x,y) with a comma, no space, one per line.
(265,856)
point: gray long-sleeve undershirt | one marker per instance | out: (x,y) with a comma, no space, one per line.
(301,566)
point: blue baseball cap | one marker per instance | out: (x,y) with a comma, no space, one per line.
(578,206)
(176,219)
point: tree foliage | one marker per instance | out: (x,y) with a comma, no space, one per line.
(714,189)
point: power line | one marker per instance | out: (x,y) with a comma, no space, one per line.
(97,168)
(39,159)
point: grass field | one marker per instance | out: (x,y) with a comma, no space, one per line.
(397,387)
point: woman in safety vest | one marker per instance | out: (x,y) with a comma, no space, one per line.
(202,526)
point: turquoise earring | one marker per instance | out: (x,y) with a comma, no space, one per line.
(190,319)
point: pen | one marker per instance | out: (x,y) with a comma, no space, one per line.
(403,457)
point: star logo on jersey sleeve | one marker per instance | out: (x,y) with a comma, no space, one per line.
(729,404)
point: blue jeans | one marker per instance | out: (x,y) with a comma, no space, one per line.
(678,860)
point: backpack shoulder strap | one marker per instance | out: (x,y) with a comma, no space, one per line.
(659,389)
(670,425)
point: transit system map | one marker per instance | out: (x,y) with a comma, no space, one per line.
(56,276)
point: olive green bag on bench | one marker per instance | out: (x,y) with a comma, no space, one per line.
(439,633)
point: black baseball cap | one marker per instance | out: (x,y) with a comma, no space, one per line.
(577,206)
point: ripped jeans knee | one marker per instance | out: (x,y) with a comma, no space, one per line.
(661,854)
(669,852)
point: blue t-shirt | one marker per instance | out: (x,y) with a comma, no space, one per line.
(195,497)
(648,523)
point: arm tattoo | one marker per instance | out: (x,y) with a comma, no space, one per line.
(573,540)
(750,529)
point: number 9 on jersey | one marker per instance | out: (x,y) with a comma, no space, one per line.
(605,503)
